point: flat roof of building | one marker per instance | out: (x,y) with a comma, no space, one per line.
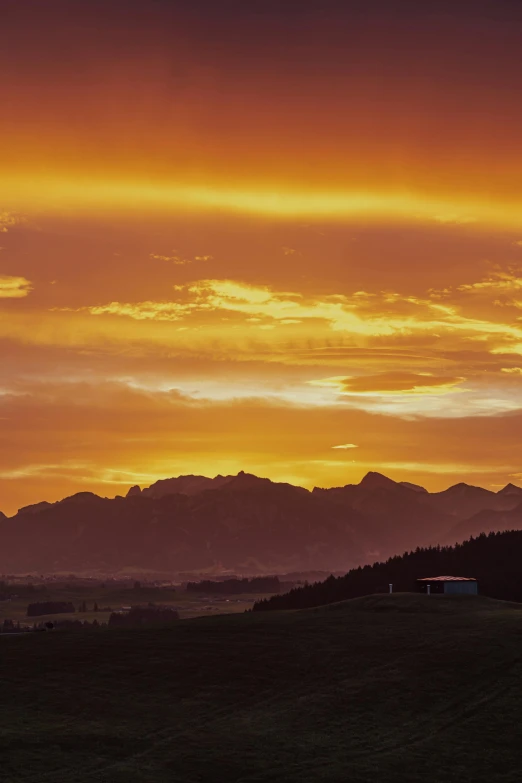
(447,579)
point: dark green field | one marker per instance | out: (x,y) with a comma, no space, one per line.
(385,688)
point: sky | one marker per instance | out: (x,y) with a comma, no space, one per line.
(277,237)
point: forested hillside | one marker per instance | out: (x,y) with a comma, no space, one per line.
(494,560)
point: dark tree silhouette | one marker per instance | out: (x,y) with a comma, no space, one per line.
(494,560)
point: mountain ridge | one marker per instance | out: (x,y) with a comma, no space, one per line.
(248,524)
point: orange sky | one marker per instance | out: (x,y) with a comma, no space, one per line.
(285,238)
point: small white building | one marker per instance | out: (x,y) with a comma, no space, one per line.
(463,585)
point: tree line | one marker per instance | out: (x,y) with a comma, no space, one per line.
(493,559)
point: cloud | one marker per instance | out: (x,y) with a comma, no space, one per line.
(452,217)
(227,317)
(392,383)
(260,301)
(14,287)
(517,243)
(507,281)
(387,314)
(179,260)
(512,370)
(346,446)
(142,311)
(8,220)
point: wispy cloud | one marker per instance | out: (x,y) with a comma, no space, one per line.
(385,315)
(179,260)
(453,217)
(175,259)
(14,287)
(393,383)
(501,281)
(142,311)
(8,220)
(346,446)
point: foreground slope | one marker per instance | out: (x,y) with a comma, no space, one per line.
(401,688)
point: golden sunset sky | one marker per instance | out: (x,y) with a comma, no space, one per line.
(273,236)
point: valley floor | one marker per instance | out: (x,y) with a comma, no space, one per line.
(387,688)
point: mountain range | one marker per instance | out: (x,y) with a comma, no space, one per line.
(247,525)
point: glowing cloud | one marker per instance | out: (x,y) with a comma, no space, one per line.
(178,260)
(142,311)
(8,220)
(14,287)
(85,195)
(392,383)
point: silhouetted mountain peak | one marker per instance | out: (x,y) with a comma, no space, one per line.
(135,490)
(510,489)
(81,497)
(246,481)
(374,480)
(184,485)
(464,489)
(248,523)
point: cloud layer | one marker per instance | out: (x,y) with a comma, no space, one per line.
(305,263)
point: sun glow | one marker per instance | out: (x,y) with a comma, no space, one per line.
(77,193)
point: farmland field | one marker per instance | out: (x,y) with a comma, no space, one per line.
(188,604)
(393,689)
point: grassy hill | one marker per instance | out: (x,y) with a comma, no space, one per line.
(382,688)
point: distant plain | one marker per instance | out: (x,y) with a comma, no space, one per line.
(188,604)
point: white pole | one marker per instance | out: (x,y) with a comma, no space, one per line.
(391,588)
(428,588)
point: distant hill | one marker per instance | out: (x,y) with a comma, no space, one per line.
(494,560)
(462,500)
(247,525)
(490,521)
